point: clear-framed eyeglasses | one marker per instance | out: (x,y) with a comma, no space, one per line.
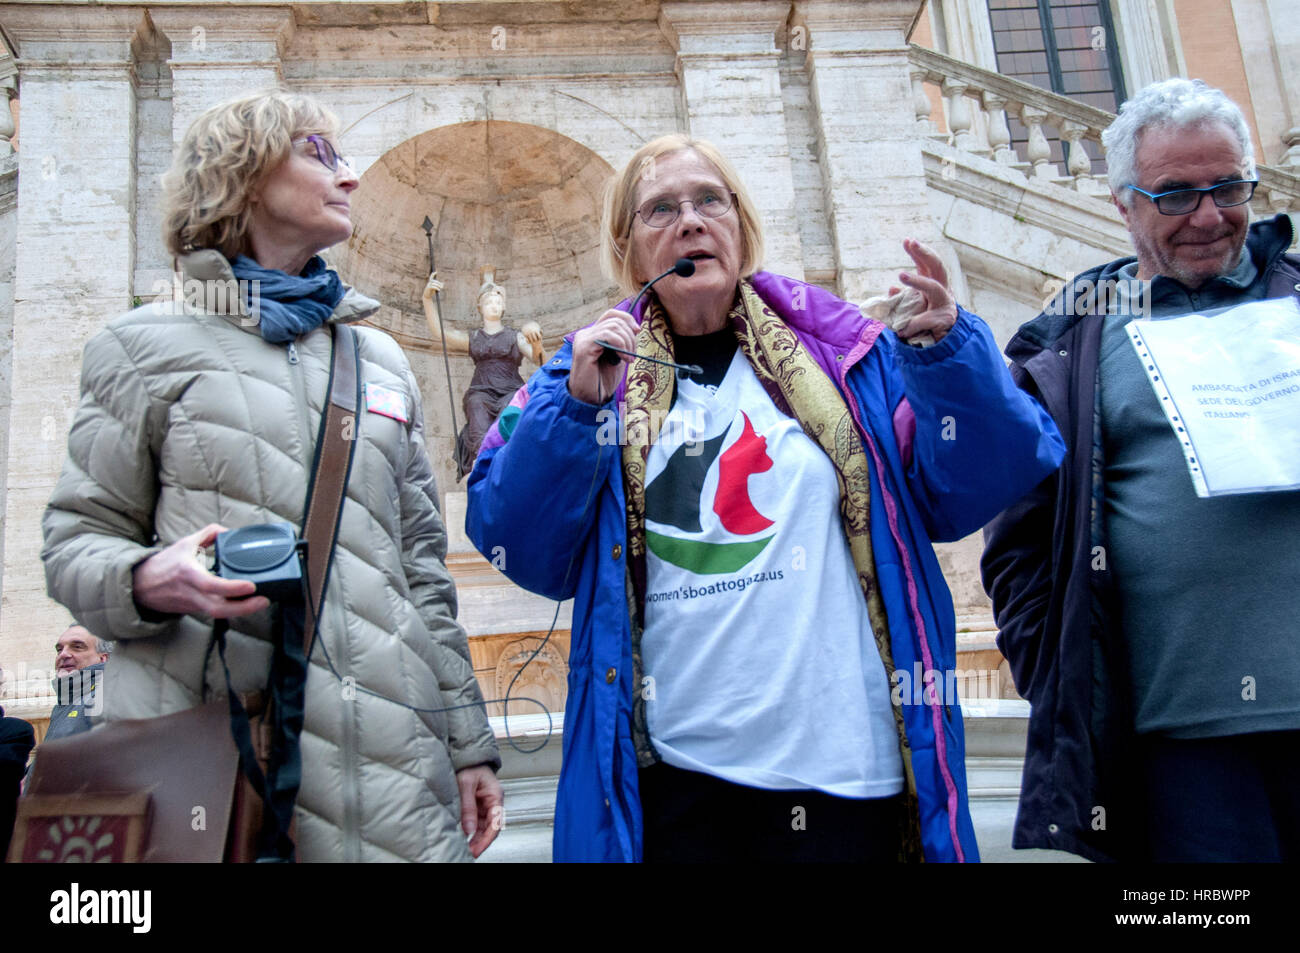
(708,202)
(1186,201)
(326,154)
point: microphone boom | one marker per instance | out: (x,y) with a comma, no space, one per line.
(683,268)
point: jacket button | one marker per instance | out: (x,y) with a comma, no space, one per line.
(1063,352)
(1052,829)
(617,551)
(607,802)
(610,676)
(1297,287)
(839,357)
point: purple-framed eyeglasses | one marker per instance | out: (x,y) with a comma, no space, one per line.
(326,154)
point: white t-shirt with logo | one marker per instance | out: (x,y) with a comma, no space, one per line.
(763,668)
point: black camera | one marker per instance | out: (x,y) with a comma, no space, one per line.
(268,554)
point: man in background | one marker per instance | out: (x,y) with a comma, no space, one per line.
(78,667)
(1154,631)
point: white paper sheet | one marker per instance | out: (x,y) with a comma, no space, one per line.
(1229,382)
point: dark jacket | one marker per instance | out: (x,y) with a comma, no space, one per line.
(77,702)
(1044,567)
(17,738)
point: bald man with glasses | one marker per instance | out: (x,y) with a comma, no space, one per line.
(1153,631)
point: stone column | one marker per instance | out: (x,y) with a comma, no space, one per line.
(73,264)
(868,145)
(218,53)
(968,33)
(729,69)
(1274,100)
(1149,47)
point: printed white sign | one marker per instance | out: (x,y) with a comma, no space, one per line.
(1229,383)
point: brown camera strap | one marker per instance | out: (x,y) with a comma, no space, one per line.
(329,479)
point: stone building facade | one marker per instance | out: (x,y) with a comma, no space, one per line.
(855,123)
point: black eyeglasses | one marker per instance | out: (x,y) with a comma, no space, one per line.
(708,202)
(1185,201)
(326,154)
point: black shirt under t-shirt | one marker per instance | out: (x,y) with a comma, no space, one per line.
(712,352)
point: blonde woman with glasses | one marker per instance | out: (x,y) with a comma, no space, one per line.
(747,542)
(194,419)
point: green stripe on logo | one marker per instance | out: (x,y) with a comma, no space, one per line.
(707,559)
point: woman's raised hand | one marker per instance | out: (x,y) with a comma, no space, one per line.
(931,280)
(433,285)
(173,582)
(590,380)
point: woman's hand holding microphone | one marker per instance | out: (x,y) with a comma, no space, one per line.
(590,379)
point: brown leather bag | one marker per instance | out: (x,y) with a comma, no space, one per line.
(170,789)
(83,801)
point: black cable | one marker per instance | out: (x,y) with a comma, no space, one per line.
(505,702)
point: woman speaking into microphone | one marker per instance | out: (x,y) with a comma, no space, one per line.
(748,547)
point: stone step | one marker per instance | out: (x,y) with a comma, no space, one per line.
(995,742)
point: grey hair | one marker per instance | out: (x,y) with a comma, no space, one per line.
(106,646)
(1178,103)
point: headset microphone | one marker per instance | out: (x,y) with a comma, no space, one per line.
(683,268)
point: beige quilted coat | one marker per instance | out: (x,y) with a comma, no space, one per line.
(189,418)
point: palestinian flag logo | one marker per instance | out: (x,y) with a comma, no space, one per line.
(674,498)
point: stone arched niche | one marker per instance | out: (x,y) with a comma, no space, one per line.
(521,197)
(518,196)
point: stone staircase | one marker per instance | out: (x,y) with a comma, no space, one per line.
(995,742)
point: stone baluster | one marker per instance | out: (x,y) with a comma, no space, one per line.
(959,114)
(1038,151)
(1291,159)
(8,90)
(921,103)
(1278,201)
(999,133)
(1079,162)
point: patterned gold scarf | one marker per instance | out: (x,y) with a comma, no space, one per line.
(802,391)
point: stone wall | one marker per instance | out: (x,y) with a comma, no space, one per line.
(8,241)
(500,122)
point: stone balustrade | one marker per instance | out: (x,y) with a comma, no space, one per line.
(977,102)
(8,91)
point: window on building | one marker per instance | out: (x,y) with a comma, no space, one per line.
(1066,46)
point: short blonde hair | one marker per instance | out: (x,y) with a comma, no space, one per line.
(620,193)
(226,154)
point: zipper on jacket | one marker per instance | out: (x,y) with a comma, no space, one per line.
(349,758)
(293,353)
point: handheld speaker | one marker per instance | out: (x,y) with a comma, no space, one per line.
(267,554)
